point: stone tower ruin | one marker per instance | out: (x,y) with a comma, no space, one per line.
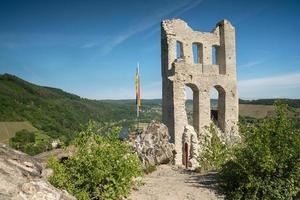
(180,69)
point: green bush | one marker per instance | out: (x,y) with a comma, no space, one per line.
(268,164)
(215,152)
(31,143)
(102,168)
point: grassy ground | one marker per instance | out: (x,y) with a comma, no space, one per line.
(259,111)
(256,111)
(9,129)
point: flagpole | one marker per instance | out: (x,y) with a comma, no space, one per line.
(137,105)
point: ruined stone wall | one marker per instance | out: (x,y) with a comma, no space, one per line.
(201,77)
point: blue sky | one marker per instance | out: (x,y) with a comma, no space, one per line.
(90,48)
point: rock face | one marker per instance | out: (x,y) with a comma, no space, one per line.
(152,145)
(21,178)
(57,153)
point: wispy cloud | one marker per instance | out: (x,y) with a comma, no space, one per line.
(177,8)
(268,87)
(252,63)
(248,15)
(21,40)
(190,5)
(89,45)
(286,80)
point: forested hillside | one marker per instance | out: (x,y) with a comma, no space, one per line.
(295,103)
(57,113)
(61,115)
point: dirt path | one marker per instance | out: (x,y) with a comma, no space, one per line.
(171,183)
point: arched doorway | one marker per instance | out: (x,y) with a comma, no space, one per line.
(217,106)
(185,155)
(192,105)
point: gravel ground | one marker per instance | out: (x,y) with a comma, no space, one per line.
(170,182)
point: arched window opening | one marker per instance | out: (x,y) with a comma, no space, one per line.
(214,97)
(179,50)
(192,105)
(217,106)
(189,104)
(198,52)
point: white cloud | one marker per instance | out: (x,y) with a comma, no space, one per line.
(286,80)
(250,64)
(286,85)
(177,8)
(89,45)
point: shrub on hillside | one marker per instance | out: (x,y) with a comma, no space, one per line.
(268,164)
(102,168)
(29,142)
(215,152)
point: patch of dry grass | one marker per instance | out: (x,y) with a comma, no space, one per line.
(9,129)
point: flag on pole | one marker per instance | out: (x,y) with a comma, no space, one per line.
(137,89)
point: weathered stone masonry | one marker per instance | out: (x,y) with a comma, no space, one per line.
(179,70)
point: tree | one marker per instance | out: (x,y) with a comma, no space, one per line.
(268,164)
(102,168)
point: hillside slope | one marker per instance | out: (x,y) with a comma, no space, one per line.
(9,129)
(60,114)
(55,112)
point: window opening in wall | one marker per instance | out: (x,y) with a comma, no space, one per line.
(214,98)
(179,50)
(214,55)
(198,52)
(189,104)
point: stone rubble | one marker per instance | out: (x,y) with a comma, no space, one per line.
(152,145)
(21,178)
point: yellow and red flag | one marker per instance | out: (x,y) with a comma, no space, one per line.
(138,92)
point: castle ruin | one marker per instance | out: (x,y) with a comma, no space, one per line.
(180,69)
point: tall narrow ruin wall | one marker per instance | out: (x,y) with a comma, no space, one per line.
(201,77)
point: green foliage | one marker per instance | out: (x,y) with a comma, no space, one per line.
(102,168)
(215,152)
(60,114)
(31,143)
(246,120)
(268,165)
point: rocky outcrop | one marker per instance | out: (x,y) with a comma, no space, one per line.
(21,178)
(60,154)
(152,145)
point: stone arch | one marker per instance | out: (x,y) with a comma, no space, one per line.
(221,107)
(195,105)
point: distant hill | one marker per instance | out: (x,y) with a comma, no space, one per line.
(60,114)
(9,129)
(53,111)
(295,103)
